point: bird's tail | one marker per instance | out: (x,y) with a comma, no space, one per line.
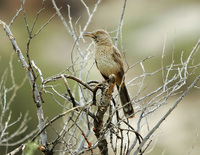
(125,101)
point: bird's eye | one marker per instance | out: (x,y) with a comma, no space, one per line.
(98,33)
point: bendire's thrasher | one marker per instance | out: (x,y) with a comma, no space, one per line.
(109,61)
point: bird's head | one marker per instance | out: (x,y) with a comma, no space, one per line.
(101,37)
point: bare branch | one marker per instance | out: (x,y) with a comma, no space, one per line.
(120,24)
(17,150)
(166,115)
(31,80)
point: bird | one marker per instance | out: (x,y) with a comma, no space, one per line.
(109,61)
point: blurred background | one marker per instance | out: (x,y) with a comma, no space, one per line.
(147,26)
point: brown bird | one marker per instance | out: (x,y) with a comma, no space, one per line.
(109,61)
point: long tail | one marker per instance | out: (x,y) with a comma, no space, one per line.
(125,101)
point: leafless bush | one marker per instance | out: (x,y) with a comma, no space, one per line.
(91,118)
(6,137)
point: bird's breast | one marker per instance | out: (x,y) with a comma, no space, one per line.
(105,62)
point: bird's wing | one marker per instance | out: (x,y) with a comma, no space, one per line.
(118,59)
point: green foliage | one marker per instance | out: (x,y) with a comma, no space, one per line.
(30,148)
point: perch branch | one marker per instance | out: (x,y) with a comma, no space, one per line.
(102,108)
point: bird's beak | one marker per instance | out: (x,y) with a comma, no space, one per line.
(89,34)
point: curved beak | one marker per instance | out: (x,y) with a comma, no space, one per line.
(89,34)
